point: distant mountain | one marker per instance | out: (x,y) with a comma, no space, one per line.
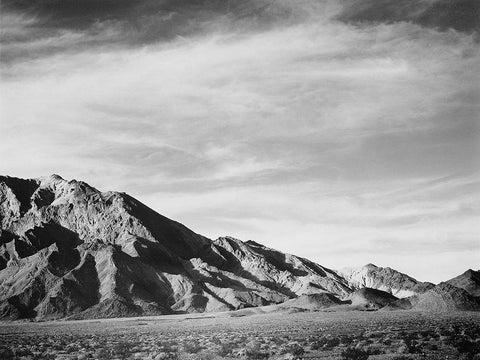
(459,293)
(385,279)
(468,281)
(446,297)
(314,301)
(371,299)
(68,250)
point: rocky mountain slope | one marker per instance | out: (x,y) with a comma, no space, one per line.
(385,279)
(69,250)
(371,299)
(446,297)
(441,298)
(468,281)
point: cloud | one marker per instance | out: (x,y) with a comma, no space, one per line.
(460,15)
(307,134)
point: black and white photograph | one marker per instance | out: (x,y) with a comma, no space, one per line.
(240,179)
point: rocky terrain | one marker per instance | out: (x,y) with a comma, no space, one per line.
(442,297)
(468,281)
(69,250)
(385,279)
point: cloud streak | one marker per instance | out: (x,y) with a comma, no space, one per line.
(272,122)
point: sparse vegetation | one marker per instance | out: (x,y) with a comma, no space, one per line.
(400,336)
(355,353)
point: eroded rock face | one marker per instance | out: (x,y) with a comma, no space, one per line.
(371,299)
(69,250)
(385,279)
(445,297)
(468,281)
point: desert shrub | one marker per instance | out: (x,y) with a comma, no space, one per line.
(472,330)
(387,341)
(295,349)
(102,353)
(278,340)
(167,356)
(466,346)
(431,347)
(426,334)
(413,347)
(346,339)
(372,350)
(44,356)
(121,350)
(22,352)
(71,348)
(354,353)
(256,354)
(205,355)
(6,353)
(192,347)
(326,342)
(333,342)
(225,349)
(318,344)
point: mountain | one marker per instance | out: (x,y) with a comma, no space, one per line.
(459,293)
(313,301)
(371,299)
(446,297)
(385,279)
(69,250)
(468,281)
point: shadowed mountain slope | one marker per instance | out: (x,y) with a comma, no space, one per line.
(456,294)
(67,249)
(446,297)
(371,299)
(468,281)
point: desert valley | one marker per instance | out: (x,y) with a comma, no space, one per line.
(240,179)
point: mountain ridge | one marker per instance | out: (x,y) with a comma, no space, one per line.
(385,279)
(68,250)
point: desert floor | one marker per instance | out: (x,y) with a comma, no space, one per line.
(249,335)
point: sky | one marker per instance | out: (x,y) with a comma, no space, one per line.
(346,132)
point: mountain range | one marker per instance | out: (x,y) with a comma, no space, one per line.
(68,250)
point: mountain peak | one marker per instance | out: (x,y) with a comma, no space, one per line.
(67,249)
(254,243)
(468,281)
(385,279)
(70,250)
(56,177)
(49,179)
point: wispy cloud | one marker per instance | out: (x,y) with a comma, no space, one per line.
(299,131)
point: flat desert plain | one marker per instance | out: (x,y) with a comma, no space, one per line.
(250,334)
